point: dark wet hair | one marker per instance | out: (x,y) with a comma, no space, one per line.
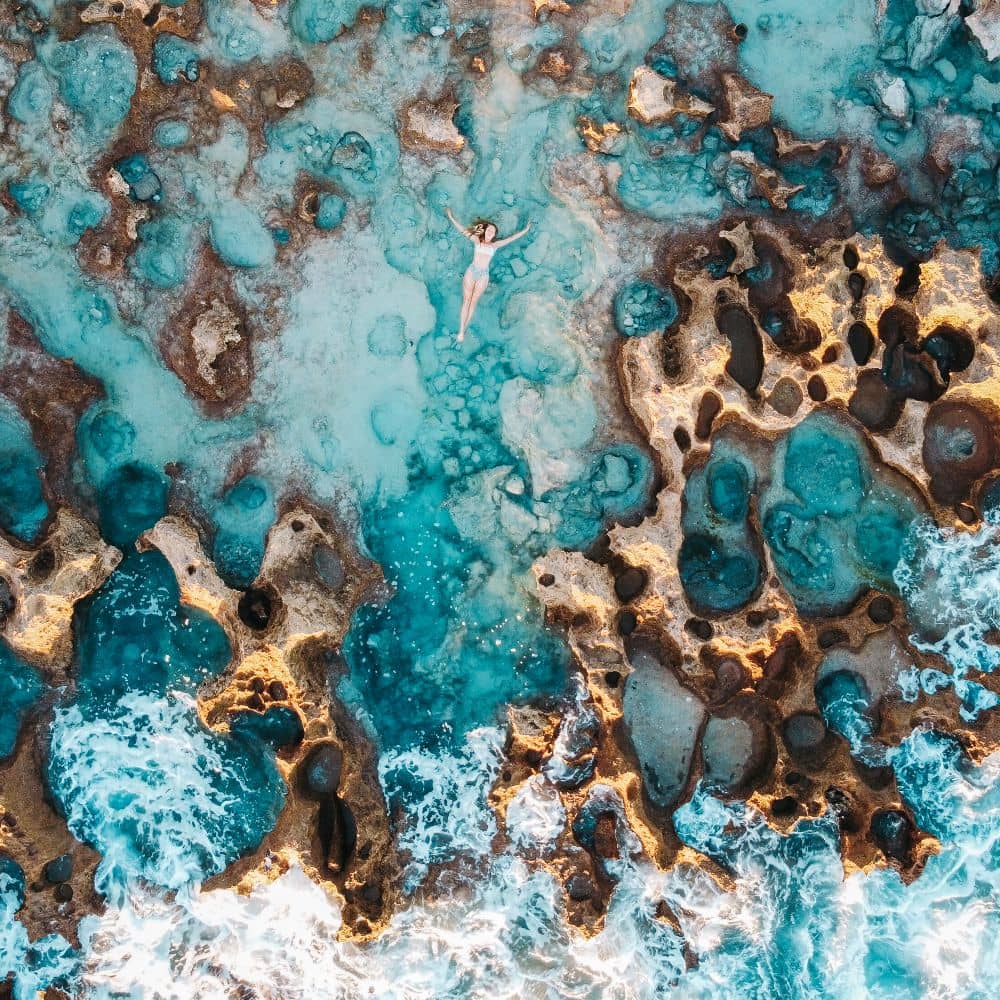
(478,228)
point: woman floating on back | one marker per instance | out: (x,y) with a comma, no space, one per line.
(485,243)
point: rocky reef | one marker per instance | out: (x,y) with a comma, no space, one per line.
(754,634)
(641,642)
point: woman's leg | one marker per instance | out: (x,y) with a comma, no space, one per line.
(478,287)
(468,283)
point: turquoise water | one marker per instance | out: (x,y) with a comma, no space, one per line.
(133,769)
(834,525)
(456,466)
(719,562)
(20,689)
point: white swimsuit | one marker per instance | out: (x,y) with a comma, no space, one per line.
(482,255)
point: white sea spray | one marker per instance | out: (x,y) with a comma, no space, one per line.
(445,799)
(788,926)
(138,783)
(950,581)
(37,964)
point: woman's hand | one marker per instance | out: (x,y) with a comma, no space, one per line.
(510,239)
(456,223)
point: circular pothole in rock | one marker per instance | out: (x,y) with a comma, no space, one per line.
(700,628)
(816,388)
(59,869)
(784,807)
(873,403)
(627,623)
(7,601)
(861,341)
(730,678)
(42,563)
(329,566)
(258,608)
(807,738)
(880,610)
(786,396)
(892,832)
(319,773)
(630,584)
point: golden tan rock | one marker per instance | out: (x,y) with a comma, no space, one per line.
(598,137)
(763,659)
(543,7)
(741,240)
(556,64)
(744,107)
(285,632)
(33,834)
(215,330)
(46,582)
(788,145)
(427,126)
(71,562)
(653,99)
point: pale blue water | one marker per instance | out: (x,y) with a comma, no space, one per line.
(458,466)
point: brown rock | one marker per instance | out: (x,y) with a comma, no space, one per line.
(786,396)
(426,126)
(744,107)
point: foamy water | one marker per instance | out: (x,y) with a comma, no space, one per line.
(791,925)
(791,928)
(154,791)
(950,581)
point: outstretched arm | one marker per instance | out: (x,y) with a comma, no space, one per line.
(510,239)
(465,232)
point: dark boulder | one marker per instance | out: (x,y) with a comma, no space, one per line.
(321,770)
(807,738)
(892,832)
(59,869)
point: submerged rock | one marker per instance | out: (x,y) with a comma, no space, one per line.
(984,23)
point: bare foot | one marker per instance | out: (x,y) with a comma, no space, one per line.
(461,336)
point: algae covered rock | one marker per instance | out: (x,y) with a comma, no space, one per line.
(642,307)
(97,76)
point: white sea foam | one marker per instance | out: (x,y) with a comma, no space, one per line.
(36,963)
(444,795)
(141,784)
(950,581)
(790,926)
(535,815)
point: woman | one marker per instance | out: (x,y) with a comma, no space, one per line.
(484,239)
